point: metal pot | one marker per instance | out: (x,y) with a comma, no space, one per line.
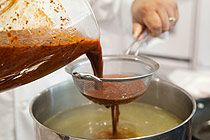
(160,93)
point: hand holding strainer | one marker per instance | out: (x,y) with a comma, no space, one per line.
(137,45)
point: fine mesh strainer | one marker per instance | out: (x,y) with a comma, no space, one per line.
(125,78)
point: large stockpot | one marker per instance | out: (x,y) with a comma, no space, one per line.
(160,93)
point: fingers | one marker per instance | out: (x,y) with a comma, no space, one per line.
(172,11)
(153,23)
(155,16)
(137,30)
(176,14)
(171,15)
(164,19)
(158,22)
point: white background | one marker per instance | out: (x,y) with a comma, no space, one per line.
(190,39)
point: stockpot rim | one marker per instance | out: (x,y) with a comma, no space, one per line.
(143,137)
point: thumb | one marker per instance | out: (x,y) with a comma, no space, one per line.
(137,30)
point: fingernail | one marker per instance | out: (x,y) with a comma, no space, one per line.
(135,34)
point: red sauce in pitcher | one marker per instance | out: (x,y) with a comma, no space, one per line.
(23,61)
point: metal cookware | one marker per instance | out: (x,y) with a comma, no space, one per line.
(201,120)
(130,72)
(160,93)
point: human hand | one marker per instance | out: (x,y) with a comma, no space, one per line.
(155,16)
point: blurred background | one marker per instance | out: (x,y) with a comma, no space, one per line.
(185,58)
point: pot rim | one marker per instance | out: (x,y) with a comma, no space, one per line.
(154,135)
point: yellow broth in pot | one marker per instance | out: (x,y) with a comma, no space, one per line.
(94,121)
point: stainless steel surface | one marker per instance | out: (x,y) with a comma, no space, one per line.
(64,96)
(141,65)
(86,76)
(202,131)
(201,120)
(130,69)
(138,44)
